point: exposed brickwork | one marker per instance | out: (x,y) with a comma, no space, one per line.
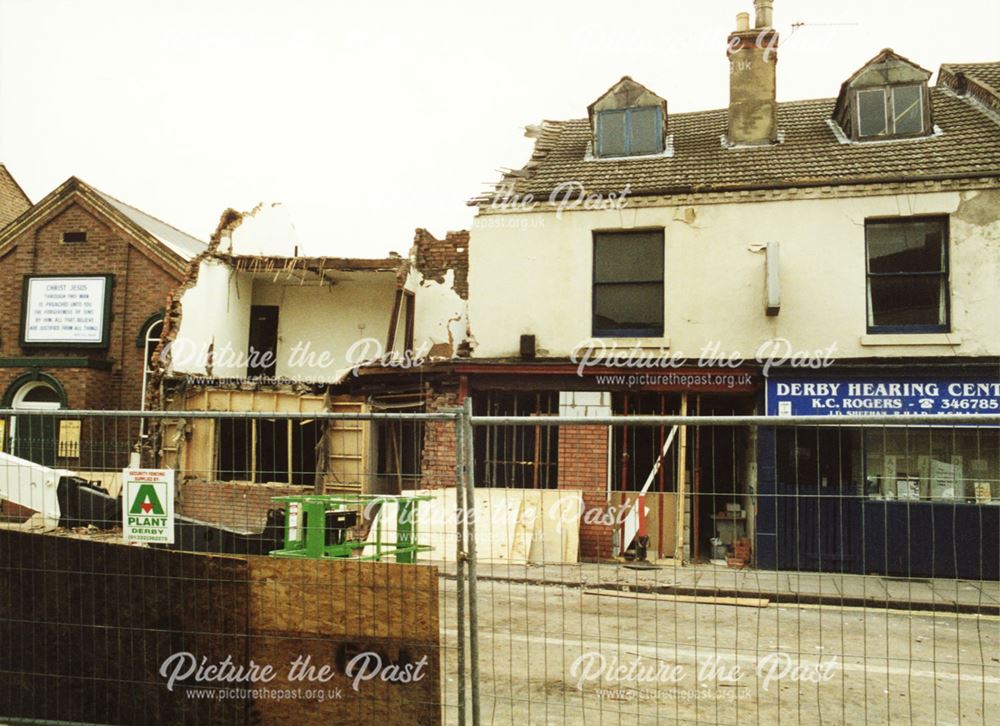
(231,504)
(434,257)
(13,200)
(440,445)
(583,465)
(141,286)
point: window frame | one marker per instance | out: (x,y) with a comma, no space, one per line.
(626,332)
(627,112)
(889,104)
(945,274)
(256,474)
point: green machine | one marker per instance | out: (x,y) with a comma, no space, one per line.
(316,526)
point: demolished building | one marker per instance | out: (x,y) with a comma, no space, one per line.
(257,326)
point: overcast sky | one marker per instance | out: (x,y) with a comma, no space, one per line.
(369,119)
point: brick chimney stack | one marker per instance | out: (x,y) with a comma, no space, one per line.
(753,59)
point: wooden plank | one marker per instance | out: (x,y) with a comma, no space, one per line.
(752,602)
(339,612)
(343,597)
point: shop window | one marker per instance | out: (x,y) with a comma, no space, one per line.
(268,450)
(933,464)
(628,284)
(907,269)
(518,456)
(630,131)
(824,458)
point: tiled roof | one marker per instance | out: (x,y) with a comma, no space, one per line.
(810,153)
(988,73)
(13,200)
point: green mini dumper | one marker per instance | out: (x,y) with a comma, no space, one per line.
(316,527)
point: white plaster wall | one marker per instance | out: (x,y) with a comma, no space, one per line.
(266,230)
(440,315)
(531,273)
(327,320)
(215,313)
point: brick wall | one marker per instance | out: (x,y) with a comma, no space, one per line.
(437,469)
(583,465)
(142,284)
(434,257)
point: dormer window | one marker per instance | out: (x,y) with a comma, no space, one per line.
(628,120)
(629,132)
(885,99)
(892,111)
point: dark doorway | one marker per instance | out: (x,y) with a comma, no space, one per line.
(34,434)
(263,347)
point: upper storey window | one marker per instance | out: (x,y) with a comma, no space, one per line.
(628,120)
(891,111)
(629,132)
(887,98)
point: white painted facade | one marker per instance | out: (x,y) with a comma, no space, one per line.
(530,272)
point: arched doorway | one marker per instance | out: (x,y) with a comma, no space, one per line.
(33,434)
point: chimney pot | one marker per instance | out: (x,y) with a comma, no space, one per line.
(742,22)
(764,13)
(752,80)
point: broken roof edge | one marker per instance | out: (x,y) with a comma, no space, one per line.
(344,264)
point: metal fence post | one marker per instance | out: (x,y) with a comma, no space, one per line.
(470,502)
(460,550)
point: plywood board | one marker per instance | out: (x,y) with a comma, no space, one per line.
(661,518)
(359,619)
(512,525)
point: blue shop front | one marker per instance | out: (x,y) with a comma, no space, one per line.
(901,501)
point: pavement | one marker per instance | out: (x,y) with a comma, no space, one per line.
(715,581)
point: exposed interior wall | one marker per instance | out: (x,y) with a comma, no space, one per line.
(265,230)
(714,276)
(314,321)
(439,277)
(214,324)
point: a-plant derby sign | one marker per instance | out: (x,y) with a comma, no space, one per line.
(148,505)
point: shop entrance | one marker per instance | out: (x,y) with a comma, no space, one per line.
(819,499)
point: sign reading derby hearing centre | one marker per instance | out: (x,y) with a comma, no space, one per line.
(148,505)
(65,310)
(865,398)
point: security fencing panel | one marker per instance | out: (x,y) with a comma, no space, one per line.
(528,558)
(228,567)
(636,565)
